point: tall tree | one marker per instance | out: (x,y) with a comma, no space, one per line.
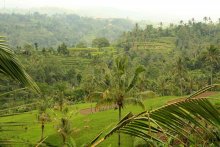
(180,70)
(181,22)
(62,49)
(118,87)
(100,42)
(36,45)
(212,56)
(205,19)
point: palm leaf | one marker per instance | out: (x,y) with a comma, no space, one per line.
(203,90)
(13,142)
(13,91)
(95,139)
(11,67)
(135,101)
(105,103)
(138,70)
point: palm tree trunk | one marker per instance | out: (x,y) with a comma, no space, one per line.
(91,108)
(211,75)
(181,88)
(64,140)
(42,131)
(119,117)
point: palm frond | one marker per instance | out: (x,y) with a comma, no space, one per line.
(135,101)
(203,90)
(13,91)
(41,142)
(105,102)
(94,140)
(11,67)
(138,70)
(16,107)
(13,142)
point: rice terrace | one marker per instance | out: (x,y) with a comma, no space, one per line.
(109,73)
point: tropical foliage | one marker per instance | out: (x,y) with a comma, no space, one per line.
(192,121)
(10,66)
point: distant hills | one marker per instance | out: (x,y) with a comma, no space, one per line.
(51,29)
(95,12)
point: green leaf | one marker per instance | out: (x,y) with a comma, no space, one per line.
(11,67)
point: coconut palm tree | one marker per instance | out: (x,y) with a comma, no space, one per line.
(162,83)
(180,71)
(11,67)
(205,19)
(43,117)
(193,20)
(212,57)
(118,87)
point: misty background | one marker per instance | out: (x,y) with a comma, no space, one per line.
(151,11)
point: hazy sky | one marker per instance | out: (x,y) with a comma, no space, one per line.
(167,8)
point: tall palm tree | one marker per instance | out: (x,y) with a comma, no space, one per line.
(212,56)
(205,19)
(180,71)
(11,67)
(161,24)
(162,83)
(118,87)
(43,117)
(193,20)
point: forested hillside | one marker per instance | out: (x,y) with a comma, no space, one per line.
(50,31)
(178,60)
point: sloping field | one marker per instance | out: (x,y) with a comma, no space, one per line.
(86,126)
(163,44)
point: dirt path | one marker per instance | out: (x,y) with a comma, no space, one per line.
(87,111)
(205,94)
(90,110)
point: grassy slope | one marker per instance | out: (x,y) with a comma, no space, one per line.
(86,126)
(159,45)
(81,57)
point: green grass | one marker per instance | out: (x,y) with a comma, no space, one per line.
(86,127)
(72,50)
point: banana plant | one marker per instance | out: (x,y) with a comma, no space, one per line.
(191,121)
